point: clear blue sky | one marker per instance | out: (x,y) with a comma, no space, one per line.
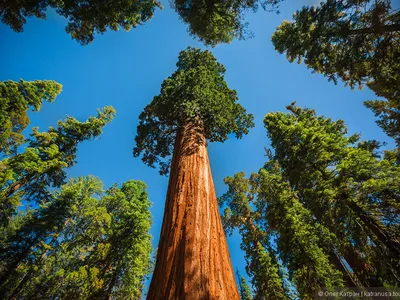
(125,70)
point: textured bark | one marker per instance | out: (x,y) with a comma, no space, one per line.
(193,261)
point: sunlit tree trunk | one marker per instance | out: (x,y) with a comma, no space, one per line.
(193,260)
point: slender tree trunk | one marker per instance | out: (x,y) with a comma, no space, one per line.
(360,268)
(10,268)
(379,231)
(348,277)
(17,185)
(193,259)
(30,272)
(111,286)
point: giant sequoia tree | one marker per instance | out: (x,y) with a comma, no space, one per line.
(194,105)
(85,18)
(355,41)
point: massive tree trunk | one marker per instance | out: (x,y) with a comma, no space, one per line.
(192,260)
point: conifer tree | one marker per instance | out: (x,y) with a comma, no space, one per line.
(83,247)
(29,175)
(244,289)
(348,189)
(262,265)
(194,105)
(355,41)
(85,18)
(301,242)
(15,100)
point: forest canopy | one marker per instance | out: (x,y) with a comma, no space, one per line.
(85,18)
(58,237)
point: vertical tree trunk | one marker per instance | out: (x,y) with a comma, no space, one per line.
(193,260)
(377,229)
(349,278)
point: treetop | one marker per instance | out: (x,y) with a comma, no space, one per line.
(196,93)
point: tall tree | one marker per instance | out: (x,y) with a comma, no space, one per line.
(348,189)
(195,104)
(85,18)
(84,247)
(130,242)
(262,265)
(355,41)
(301,243)
(216,21)
(15,100)
(30,174)
(244,288)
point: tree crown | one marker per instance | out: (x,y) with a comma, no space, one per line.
(196,93)
(216,21)
(15,100)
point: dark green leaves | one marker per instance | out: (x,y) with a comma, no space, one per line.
(196,93)
(85,18)
(355,41)
(216,21)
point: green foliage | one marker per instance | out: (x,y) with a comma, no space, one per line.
(355,41)
(325,207)
(348,188)
(15,100)
(351,40)
(301,240)
(279,215)
(216,21)
(79,246)
(29,175)
(262,265)
(388,113)
(195,94)
(85,18)
(244,289)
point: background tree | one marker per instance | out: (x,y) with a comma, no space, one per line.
(216,21)
(83,247)
(355,41)
(195,104)
(15,100)
(301,242)
(347,187)
(262,265)
(30,174)
(85,18)
(244,288)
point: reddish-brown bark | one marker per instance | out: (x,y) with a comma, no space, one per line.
(193,260)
